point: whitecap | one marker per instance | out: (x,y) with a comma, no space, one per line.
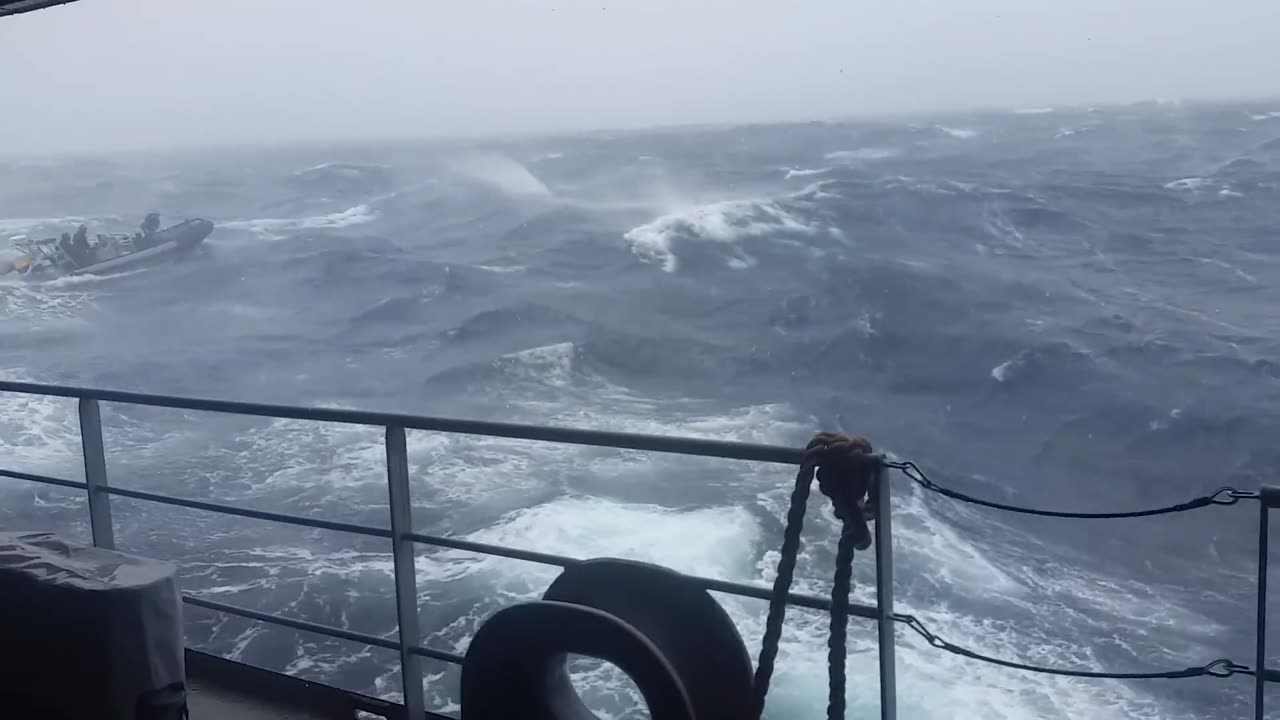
(501,269)
(552,364)
(589,527)
(798,172)
(357,215)
(1190,183)
(867,153)
(961,133)
(342,169)
(1004,370)
(723,222)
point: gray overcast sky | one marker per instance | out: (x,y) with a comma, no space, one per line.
(107,74)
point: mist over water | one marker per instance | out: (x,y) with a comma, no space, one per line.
(1056,307)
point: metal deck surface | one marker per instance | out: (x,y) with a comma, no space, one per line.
(218,688)
(209,699)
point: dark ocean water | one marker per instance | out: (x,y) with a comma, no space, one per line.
(1070,308)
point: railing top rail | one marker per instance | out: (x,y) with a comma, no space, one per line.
(518,431)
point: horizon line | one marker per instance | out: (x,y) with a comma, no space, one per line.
(552,134)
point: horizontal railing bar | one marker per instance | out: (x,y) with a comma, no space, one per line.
(755,591)
(798,599)
(441,655)
(814,602)
(517,431)
(32,477)
(319,629)
(499,550)
(255,514)
(290,622)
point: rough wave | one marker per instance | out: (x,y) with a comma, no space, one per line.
(723,222)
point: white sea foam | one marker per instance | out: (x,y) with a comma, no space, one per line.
(38,305)
(38,433)
(867,153)
(961,133)
(590,527)
(273,227)
(71,281)
(1033,111)
(1214,262)
(1191,183)
(722,222)
(1001,372)
(341,169)
(552,364)
(1001,228)
(799,172)
(941,187)
(1006,370)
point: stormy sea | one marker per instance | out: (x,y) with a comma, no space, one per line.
(1065,308)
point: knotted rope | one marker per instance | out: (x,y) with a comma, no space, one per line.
(846,473)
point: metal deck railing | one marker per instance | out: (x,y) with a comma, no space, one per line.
(404,538)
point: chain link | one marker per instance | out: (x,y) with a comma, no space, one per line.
(1222,496)
(1221,668)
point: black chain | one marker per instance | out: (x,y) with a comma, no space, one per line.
(1218,668)
(1221,496)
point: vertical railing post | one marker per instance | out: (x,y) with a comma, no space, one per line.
(885,623)
(95,474)
(403,550)
(1268,496)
